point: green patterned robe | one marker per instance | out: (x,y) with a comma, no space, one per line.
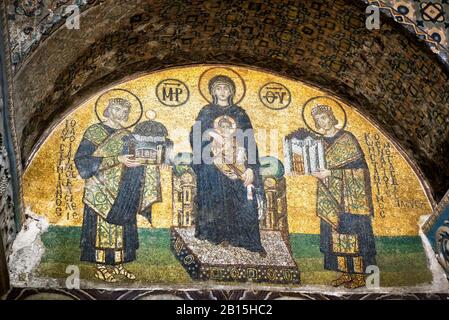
(345,207)
(113,196)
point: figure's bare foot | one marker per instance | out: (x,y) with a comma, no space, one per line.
(342,280)
(263,253)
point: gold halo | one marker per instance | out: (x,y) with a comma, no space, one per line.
(136,110)
(336,107)
(203,83)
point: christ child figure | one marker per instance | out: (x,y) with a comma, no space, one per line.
(228,155)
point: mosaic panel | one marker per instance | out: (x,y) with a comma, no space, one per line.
(321,198)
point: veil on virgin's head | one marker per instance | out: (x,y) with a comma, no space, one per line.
(222,79)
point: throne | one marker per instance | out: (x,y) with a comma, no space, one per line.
(205,261)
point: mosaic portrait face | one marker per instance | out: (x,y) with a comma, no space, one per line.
(222,91)
(119,112)
(324,120)
(226,127)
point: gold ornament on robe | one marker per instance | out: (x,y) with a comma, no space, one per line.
(101,190)
(351,183)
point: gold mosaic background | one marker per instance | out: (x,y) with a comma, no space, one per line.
(41,177)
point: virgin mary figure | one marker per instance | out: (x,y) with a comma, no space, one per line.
(228,186)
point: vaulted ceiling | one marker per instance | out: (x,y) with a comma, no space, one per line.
(388,74)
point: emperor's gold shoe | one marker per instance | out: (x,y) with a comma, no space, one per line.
(120,270)
(357,282)
(102,273)
(344,278)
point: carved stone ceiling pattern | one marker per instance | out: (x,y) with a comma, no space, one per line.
(31,21)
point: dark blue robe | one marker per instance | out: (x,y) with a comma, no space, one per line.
(223,211)
(123,211)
